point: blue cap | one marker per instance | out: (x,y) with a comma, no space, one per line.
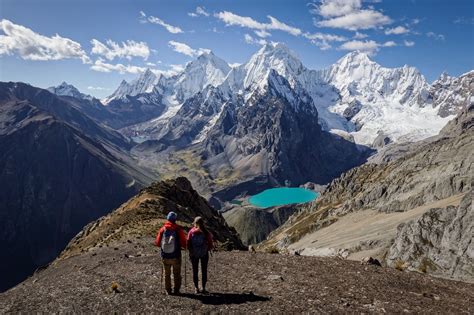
(172,216)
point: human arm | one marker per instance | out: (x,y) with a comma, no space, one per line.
(158,237)
(182,238)
(210,241)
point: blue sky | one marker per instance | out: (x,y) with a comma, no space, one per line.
(95,44)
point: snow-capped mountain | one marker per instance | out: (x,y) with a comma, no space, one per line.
(392,101)
(65,89)
(143,84)
(206,70)
(355,98)
(450,94)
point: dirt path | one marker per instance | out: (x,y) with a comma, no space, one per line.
(239,282)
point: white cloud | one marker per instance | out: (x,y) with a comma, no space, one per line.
(390,43)
(409,43)
(464,20)
(97,88)
(436,36)
(230,18)
(397,30)
(183,48)
(332,8)
(234,65)
(253,41)
(33,46)
(363,19)
(348,14)
(128,49)
(199,11)
(369,47)
(360,35)
(322,40)
(262,33)
(101,66)
(154,20)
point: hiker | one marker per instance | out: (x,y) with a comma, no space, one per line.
(199,244)
(171,239)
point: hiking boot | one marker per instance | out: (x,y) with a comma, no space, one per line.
(197,291)
(204,291)
(168,292)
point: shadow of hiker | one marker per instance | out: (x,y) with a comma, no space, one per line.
(226,298)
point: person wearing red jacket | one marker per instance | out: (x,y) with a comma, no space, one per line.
(171,239)
(199,243)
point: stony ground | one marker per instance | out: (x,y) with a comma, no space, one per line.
(239,282)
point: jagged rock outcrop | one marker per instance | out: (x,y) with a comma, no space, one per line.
(439,242)
(145,213)
(439,170)
(452,94)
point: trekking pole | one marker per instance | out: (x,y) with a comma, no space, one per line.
(161,277)
(185,270)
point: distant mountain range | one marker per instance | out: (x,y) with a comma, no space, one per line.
(236,124)
(355,97)
(59,170)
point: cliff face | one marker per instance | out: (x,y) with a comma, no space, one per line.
(439,242)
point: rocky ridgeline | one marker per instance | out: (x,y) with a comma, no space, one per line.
(435,170)
(144,214)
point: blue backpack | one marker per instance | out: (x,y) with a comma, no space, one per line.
(170,248)
(199,245)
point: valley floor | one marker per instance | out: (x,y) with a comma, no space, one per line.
(239,282)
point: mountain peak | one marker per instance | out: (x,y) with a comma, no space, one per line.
(356,57)
(65,89)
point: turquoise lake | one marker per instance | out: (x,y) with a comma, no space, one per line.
(282,196)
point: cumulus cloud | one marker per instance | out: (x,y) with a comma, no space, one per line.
(369,47)
(230,18)
(199,11)
(408,43)
(112,50)
(332,8)
(436,36)
(30,45)
(348,14)
(253,41)
(183,48)
(322,40)
(154,20)
(390,43)
(397,30)
(360,35)
(101,66)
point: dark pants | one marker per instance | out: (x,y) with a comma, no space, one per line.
(195,263)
